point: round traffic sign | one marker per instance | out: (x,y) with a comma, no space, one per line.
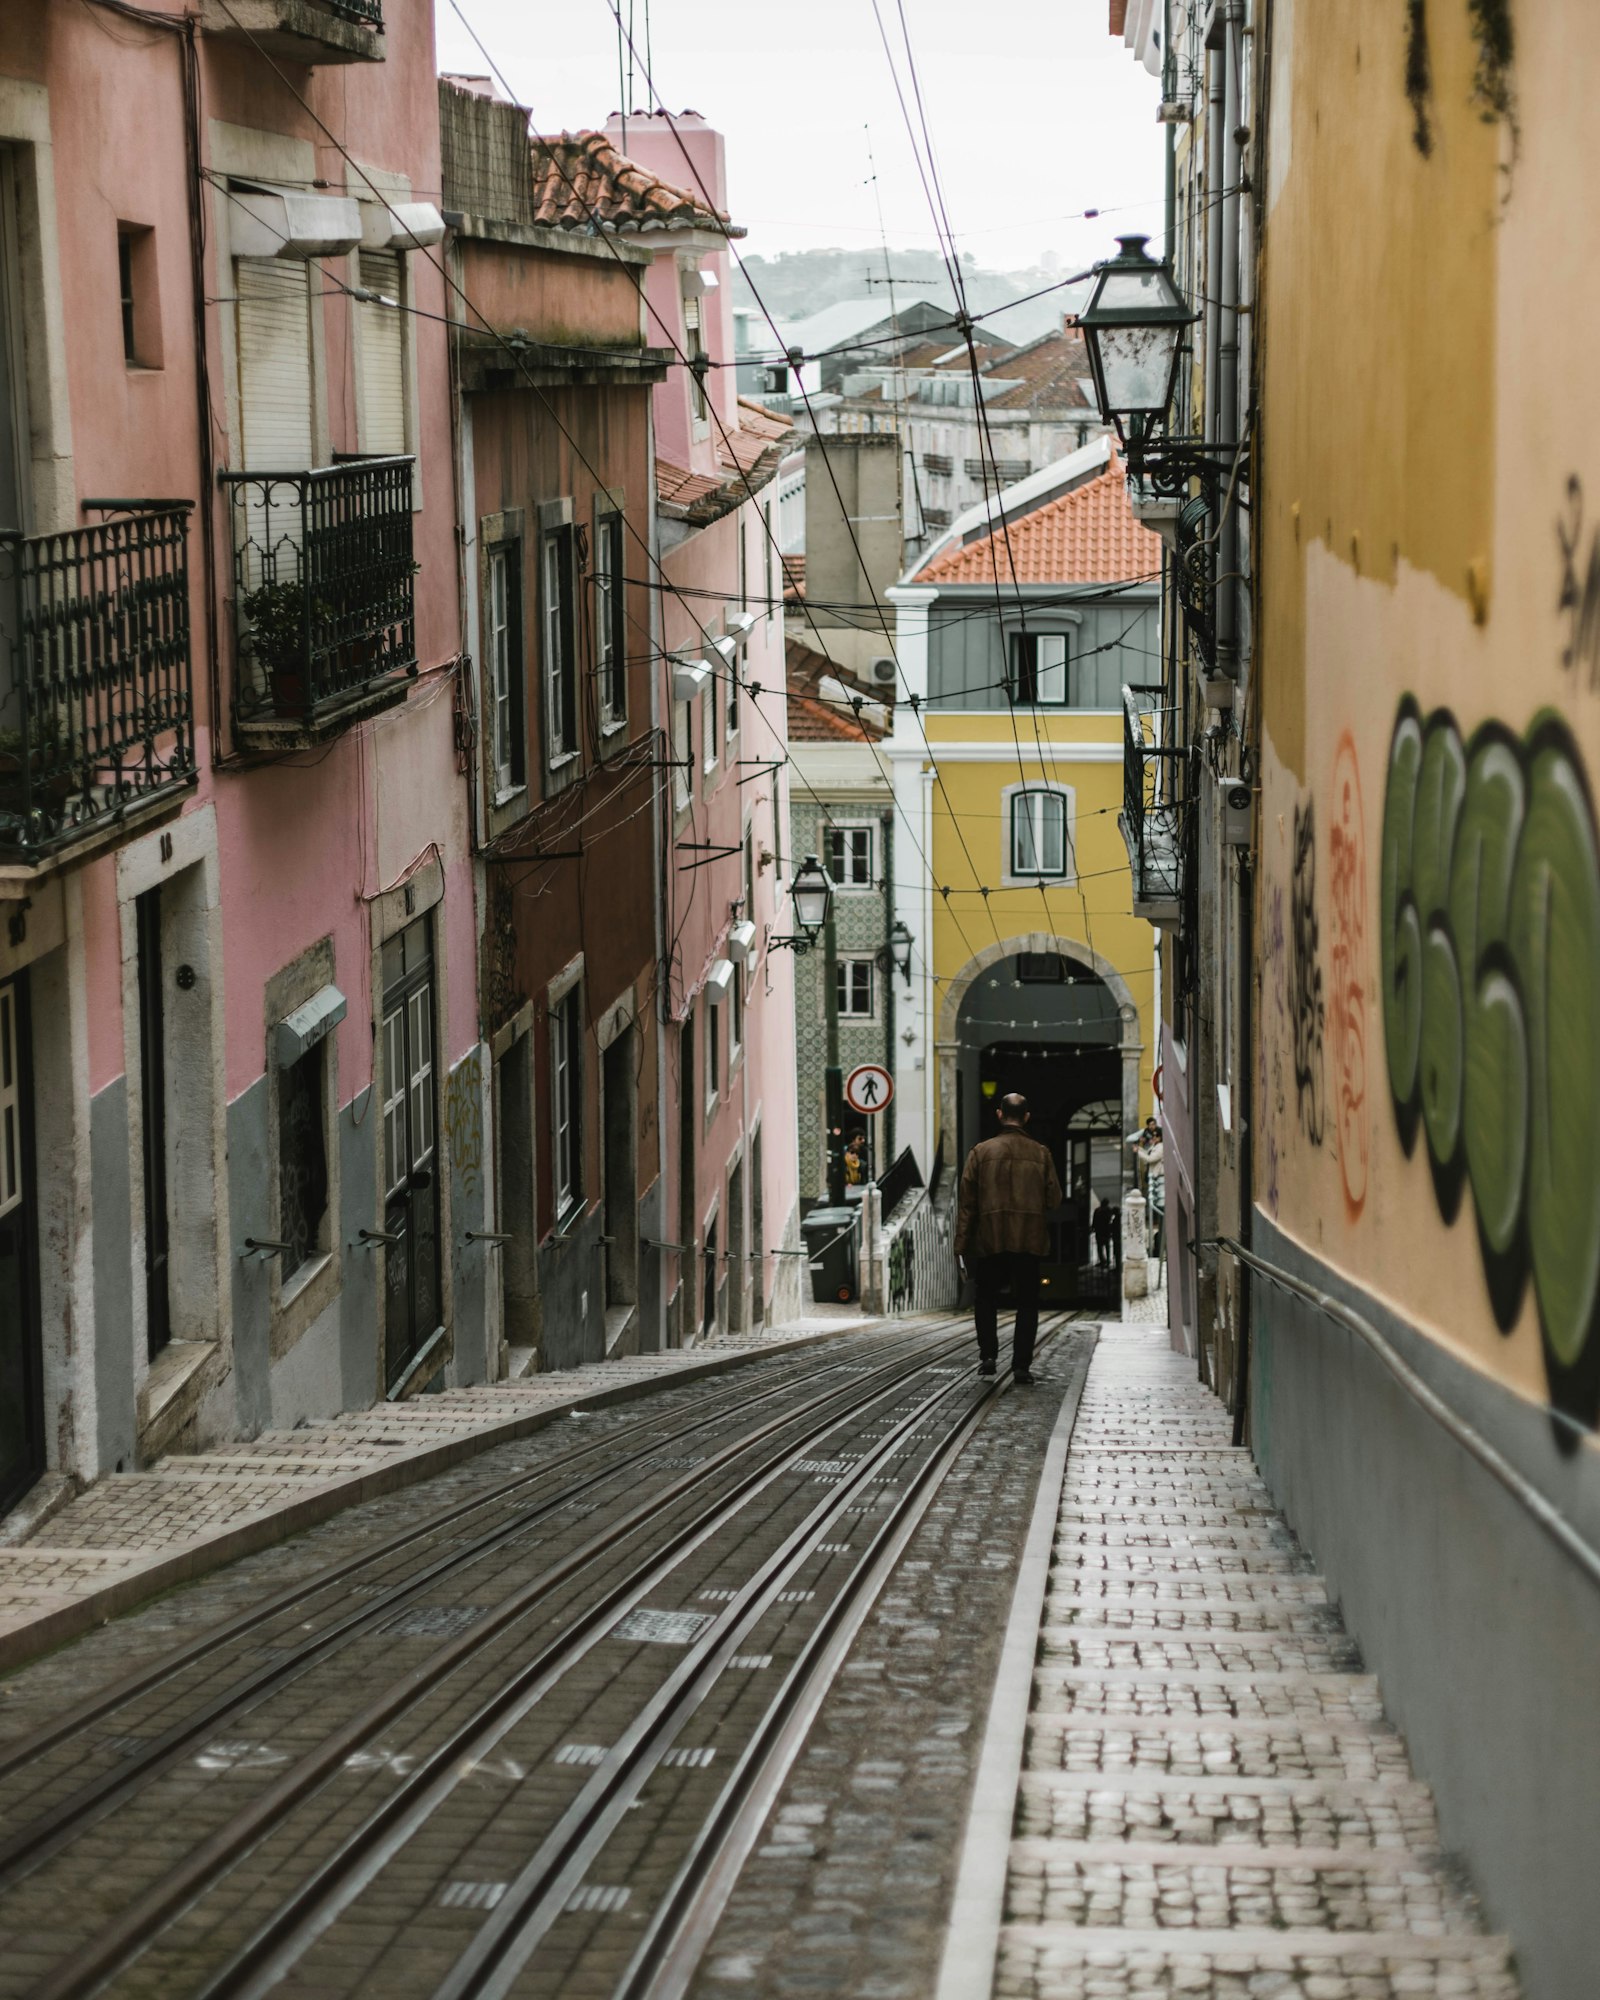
(868,1088)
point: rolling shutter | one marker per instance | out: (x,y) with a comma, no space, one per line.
(274,364)
(382,385)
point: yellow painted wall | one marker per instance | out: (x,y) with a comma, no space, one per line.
(1093,911)
(1429,498)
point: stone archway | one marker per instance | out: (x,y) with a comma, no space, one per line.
(947,1040)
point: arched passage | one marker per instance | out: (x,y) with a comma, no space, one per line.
(1047,1016)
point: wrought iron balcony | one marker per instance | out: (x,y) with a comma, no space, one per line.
(938,463)
(323,596)
(97,700)
(1153,805)
(302,31)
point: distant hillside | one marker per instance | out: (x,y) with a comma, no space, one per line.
(797,283)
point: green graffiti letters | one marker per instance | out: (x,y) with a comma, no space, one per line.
(1489,890)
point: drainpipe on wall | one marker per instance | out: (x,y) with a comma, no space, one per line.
(1227,560)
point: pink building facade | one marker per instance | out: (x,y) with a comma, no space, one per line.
(728,993)
(243,1103)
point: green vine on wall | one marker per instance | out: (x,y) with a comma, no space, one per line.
(1490,939)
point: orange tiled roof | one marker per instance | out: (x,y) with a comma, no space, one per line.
(758,431)
(1051,373)
(676,486)
(794,578)
(1088,535)
(582,183)
(818,718)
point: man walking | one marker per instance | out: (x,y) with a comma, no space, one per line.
(1008,1190)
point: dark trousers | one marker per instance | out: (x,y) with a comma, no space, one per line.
(1017,1274)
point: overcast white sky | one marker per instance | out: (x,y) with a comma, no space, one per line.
(1037,113)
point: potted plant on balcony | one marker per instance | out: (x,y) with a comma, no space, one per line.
(31,775)
(280,614)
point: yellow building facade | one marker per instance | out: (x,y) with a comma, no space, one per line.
(1029,972)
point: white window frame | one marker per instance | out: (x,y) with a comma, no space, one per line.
(1011,797)
(855,885)
(11,1175)
(711,1054)
(558,636)
(694,345)
(502,622)
(857,974)
(565,1012)
(737,676)
(610,646)
(1058,669)
(682,755)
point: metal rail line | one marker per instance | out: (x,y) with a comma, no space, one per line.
(124,1940)
(34,1843)
(539,1895)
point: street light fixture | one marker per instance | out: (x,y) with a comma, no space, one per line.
(811,893)
(1134,327)
(897,952)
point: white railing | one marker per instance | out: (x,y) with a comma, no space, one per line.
(915,1257)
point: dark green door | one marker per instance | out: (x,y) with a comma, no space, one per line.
(21,1370)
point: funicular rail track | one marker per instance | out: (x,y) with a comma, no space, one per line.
(694,1510)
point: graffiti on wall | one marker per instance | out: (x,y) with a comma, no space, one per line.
(1490,957)
(1307,1009)
(1579,599)
(463,1121)
(1271,1094)
(1347,974)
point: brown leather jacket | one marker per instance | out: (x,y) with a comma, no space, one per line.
(1008,1188)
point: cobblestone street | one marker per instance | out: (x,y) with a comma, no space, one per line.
(1212,1803)
(1095,1733)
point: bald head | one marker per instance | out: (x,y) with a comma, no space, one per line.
(1014,1109)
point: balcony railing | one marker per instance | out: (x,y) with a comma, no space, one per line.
(1153,805)
(323,593)
(96,700)
(999,471)
(938,463)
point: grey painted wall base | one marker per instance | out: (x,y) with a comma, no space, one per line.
(116,1418)
(653,1334)
(1485,1638)
(572,1295)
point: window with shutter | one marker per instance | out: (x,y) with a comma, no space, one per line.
(382,387)
(274,320)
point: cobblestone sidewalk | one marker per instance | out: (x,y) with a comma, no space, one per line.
(1212,1803)
(132,1534)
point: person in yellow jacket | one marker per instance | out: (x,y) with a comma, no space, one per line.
(1009,1190)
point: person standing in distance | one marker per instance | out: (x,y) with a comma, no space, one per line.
(1009,1189)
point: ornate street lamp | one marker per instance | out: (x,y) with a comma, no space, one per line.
(1133,327)
(811,893)
(897,952)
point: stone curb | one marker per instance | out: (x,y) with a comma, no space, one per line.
(27,1641)
(977,1909)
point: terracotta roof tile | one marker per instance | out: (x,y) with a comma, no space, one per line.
(1051,373)
(794,578)
(1088,535)
(760,432)
(816,717)
(582,183)
(677,487)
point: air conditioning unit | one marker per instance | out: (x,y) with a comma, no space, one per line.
(883,670)
(1237,814)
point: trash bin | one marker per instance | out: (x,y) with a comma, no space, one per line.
(830,1236)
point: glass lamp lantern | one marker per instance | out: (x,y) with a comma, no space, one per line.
(812,895)
(1133,327)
